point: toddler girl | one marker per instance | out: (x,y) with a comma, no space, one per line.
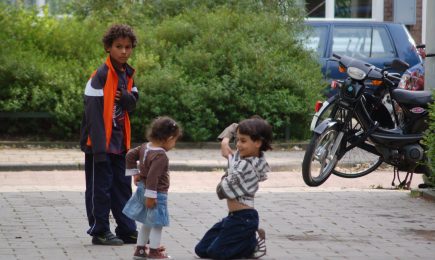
(148,205)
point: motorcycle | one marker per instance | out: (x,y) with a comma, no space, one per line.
(382,105)
(365,121)
(411,79)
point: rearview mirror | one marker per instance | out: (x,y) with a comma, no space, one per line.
(399,65)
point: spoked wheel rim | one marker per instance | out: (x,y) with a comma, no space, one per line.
(323,161)
(356,162)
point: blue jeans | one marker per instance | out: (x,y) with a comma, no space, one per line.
(232,237)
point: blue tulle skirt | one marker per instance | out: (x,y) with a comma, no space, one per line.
(155,217)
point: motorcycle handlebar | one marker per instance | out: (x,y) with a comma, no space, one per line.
(391,77)
(391,80)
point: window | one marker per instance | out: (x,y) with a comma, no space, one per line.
(315,8)
(381,44)
(316,40)
(343,9)
(353,9)
(362,42)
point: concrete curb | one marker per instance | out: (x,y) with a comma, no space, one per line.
(180,145)
(428,194)
(41,167)
(172,167)
(175,165)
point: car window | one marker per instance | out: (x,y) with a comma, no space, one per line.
(316,39)
(351,41)
(362,42)
(381,44)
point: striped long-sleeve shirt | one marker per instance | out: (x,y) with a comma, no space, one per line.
(242,178)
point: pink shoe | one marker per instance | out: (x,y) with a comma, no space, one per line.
(158,253)
(140,253)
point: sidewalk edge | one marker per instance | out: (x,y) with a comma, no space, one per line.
(172,167)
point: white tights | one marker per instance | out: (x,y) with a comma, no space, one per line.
(153,234)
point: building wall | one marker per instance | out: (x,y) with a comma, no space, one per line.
(388,10)
(415,30)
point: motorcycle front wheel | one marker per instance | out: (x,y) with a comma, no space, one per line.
(319,159)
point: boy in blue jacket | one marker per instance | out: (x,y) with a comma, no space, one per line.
(110,95)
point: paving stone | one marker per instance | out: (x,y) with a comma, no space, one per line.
(42,217)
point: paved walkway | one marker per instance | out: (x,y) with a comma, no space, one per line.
(37,159)
(42,213)
(42,216)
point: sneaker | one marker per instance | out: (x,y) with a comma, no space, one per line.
(140,253)
(129,239)
(260,249)
(158,253)
(107,239)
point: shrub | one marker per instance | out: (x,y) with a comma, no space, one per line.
(43,65)
(205,63)
(429,141)
(222,65)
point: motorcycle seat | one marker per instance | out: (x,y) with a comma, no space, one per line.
(404,96)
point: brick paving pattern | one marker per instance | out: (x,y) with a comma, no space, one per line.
(42,216)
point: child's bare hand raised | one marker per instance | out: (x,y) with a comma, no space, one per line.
(225,148)
(150,203)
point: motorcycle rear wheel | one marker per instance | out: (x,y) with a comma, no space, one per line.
(356,162)
(318,160)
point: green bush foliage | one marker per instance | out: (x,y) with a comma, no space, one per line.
(43,64)
(429,141)
(205,63)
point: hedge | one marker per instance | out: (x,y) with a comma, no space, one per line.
(429,141)
(205,63)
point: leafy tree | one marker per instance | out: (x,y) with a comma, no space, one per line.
(205,63)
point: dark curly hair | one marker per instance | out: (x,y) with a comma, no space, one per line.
(257,129)
(119,31)
(162,128)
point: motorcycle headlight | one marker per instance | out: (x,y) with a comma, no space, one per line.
(356,73)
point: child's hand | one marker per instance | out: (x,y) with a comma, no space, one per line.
(225,148)
(136,179)
(118,95)
(150,202)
